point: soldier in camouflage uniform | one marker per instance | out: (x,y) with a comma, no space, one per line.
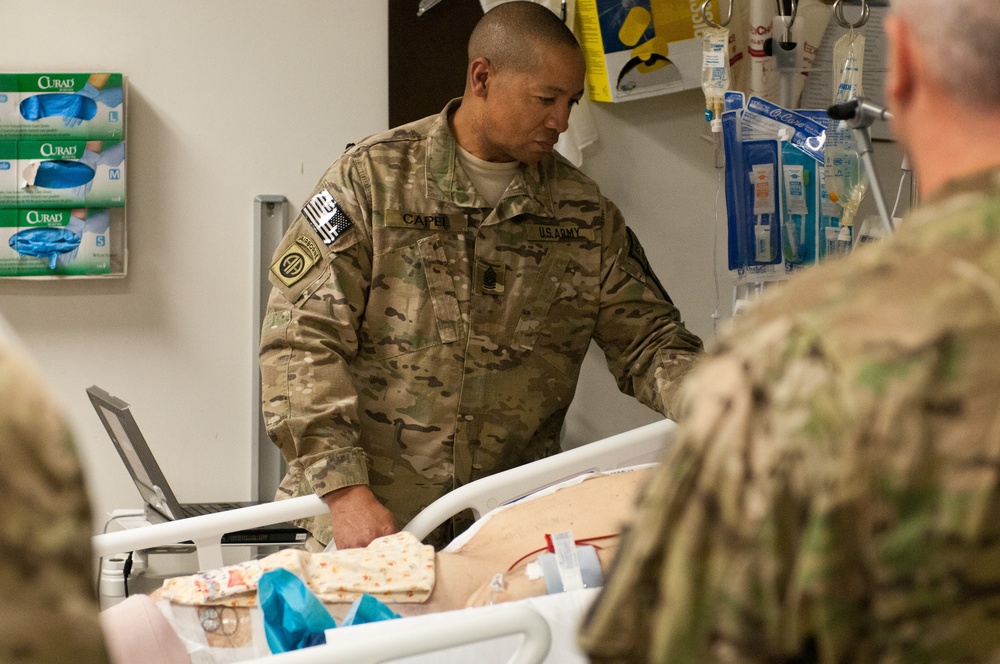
(834,491)
(48,603)
(426,326)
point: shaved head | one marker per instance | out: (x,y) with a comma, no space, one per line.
(526,72)
(508,35)
(962,41)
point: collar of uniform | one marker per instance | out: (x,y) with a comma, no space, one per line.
(529,192)
(986,181)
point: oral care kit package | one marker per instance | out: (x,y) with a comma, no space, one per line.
(62,174)
(777,206)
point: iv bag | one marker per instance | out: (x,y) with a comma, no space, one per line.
(845,177)
(715,68)
(848,64)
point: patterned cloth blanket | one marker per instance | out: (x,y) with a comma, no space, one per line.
(395,568)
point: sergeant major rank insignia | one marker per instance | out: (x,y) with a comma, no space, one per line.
(295,262)
(326,217)
(490,277)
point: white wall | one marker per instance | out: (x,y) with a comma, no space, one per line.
(234,98)
(655,161)
(228,99)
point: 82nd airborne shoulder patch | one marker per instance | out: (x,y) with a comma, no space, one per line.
(296,261)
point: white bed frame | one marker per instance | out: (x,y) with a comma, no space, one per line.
(417,635)
(643,445)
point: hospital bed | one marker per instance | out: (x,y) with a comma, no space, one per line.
(433,632)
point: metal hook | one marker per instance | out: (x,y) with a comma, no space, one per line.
(795,11)
(838,13)
(725,22)
(787,20)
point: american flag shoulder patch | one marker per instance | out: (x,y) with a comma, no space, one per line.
(326,217)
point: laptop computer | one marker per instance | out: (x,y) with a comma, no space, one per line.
(160,502)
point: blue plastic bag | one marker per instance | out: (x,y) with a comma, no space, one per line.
(294,618)
(367,609)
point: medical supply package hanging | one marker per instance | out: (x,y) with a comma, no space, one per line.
(641,48)
(62,175)
(779,215)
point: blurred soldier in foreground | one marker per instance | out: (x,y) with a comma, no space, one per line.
(48,602)
(833,494)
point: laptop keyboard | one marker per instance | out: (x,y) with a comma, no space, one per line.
(197,509)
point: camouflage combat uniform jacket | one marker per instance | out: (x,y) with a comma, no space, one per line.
(834,491)
(417,339)
(48,602)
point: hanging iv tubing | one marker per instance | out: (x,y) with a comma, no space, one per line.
(838,14)
(725,21)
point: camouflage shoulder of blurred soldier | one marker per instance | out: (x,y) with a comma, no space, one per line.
(834,492)
(48,605)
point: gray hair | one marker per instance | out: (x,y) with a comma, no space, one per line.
(962,41)
(508,35)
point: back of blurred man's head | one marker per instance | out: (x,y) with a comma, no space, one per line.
(961,43)
(943,86)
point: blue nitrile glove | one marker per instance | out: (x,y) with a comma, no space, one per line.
(110,97)
(98,223)
(91,159)
(44,243)
(71,106)
(63,174)
(112,156)
(294,617)
(88,91)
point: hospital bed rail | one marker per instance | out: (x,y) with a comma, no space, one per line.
(373,643)
(206,530)
(644,444)
(631,448)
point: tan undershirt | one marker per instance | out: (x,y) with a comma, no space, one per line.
(490,178)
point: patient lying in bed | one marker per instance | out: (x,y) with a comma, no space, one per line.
(504,542)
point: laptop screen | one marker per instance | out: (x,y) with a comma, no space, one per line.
(134,451)
(127,448)
(160,500)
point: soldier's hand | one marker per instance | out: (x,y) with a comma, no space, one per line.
(358,517)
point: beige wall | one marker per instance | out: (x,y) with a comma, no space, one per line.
(655,161)
(228,99)
(234,98)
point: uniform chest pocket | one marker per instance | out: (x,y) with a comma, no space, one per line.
(558,318)
(413,302)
